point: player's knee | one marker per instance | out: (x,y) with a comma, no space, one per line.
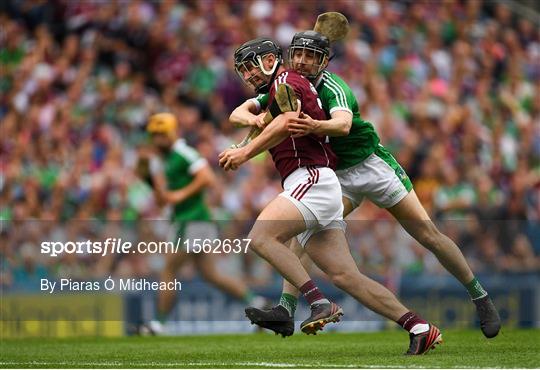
(343,279)
(259,240)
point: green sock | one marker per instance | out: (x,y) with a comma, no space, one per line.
(289,302)
(162,317)
(475,289)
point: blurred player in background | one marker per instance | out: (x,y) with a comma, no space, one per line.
(179,177)
(365,170)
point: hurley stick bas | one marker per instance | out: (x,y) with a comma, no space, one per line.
(333,25)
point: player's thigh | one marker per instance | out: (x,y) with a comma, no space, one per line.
(173,261)
(280,219)
(348,206)
(201,230)
(353,186)
(409,208)
(415,220)
(329,250)
(296,247)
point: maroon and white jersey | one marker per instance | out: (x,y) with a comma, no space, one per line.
(309,150)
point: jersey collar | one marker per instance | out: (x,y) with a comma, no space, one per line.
(319,80)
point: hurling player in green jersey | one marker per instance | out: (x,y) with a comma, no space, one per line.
(179,177)
(366,169)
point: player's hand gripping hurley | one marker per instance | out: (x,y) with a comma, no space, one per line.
(285,100)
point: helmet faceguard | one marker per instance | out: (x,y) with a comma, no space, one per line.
(248,63)
(309,53)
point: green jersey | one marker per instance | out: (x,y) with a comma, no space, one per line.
(180,166)
(362,140)
(336,95)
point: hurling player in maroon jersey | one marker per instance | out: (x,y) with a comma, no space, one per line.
(310,204)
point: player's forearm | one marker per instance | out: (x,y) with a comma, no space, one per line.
(202,180)
(189,190)
(159,187)
(271,136)
(243,115)
(180,195)
(339,126)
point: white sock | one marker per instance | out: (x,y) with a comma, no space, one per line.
(321,301)
(482,296)
(419,328)
(257,302)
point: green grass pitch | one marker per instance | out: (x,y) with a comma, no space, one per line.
(461,349)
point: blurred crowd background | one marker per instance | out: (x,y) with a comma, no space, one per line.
(452,88)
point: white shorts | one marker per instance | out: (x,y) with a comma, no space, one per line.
(316,192)
(192,232)
(379,177)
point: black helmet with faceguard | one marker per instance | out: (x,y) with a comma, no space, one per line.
(248,61)
(311,42)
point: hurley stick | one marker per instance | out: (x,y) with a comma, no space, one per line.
(284,101)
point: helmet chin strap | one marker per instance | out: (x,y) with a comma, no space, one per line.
(271,71)
(275,69)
